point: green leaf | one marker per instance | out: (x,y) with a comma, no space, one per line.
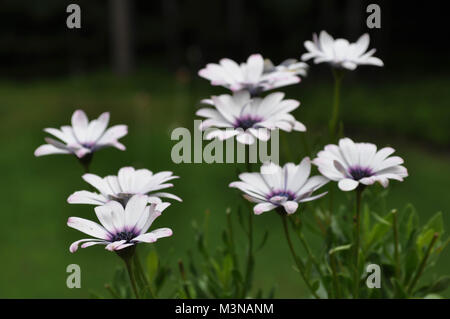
(315,285)
(378,232)
(436,223)
(413,220)
(152,262)
(438,286)
(424,239)
(263,240)
(339,248)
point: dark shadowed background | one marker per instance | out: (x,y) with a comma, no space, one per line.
(139,60)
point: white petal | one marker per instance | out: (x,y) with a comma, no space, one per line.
(347,184)
(87,242)
(98,182)
(254,68)
(85,197)
(87,227)
(115,245)
(134,210)
(153,236)
(80,124)
(245,138)
(263,207)
(48,149)
(290,207)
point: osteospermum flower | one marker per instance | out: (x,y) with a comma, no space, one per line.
(247,118)
(254,76)
(280,187)
(83,137)
(339,52)
(122,187)
(120,228)
(289,65)
(351,164)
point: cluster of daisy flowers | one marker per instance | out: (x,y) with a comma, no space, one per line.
(126,204)
(249,116)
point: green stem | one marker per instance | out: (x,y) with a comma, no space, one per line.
(248,165)
(305,145)
(231,239)
(184,278)
(131,275)
(85,161)
(143,278)
(396,246)
(331,199)
(296,258)
(338,75)
(287,149)
(423,263)
(250,260)
(112,291)
(336,286)
(311,256)
(357,239)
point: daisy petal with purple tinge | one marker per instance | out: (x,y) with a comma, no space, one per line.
(119,227)
(83,137)
(256,75)
(248,119)
(128,182)
(282,188)
(340,53)
(353,164)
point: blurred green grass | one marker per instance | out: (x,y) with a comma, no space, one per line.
(409,114)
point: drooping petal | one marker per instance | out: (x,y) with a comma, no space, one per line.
(88,227)
(290,207)
(47,149)
(263,207)
(347,184)
(85,197)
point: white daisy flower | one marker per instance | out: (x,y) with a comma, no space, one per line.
(339,52)
(351,164)
(83,137)
(122,187)
(120,228)
(253,76)
(278,187)
(289,65)
(248,119)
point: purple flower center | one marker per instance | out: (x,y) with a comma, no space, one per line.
(88,145)
(124,235)
(247,121)
(358,172)
(281,193)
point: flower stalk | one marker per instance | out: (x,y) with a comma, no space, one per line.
(396,245)
(338,75)
(423,263)
(297,260)
(127,255)
(85,161)
(359,191)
